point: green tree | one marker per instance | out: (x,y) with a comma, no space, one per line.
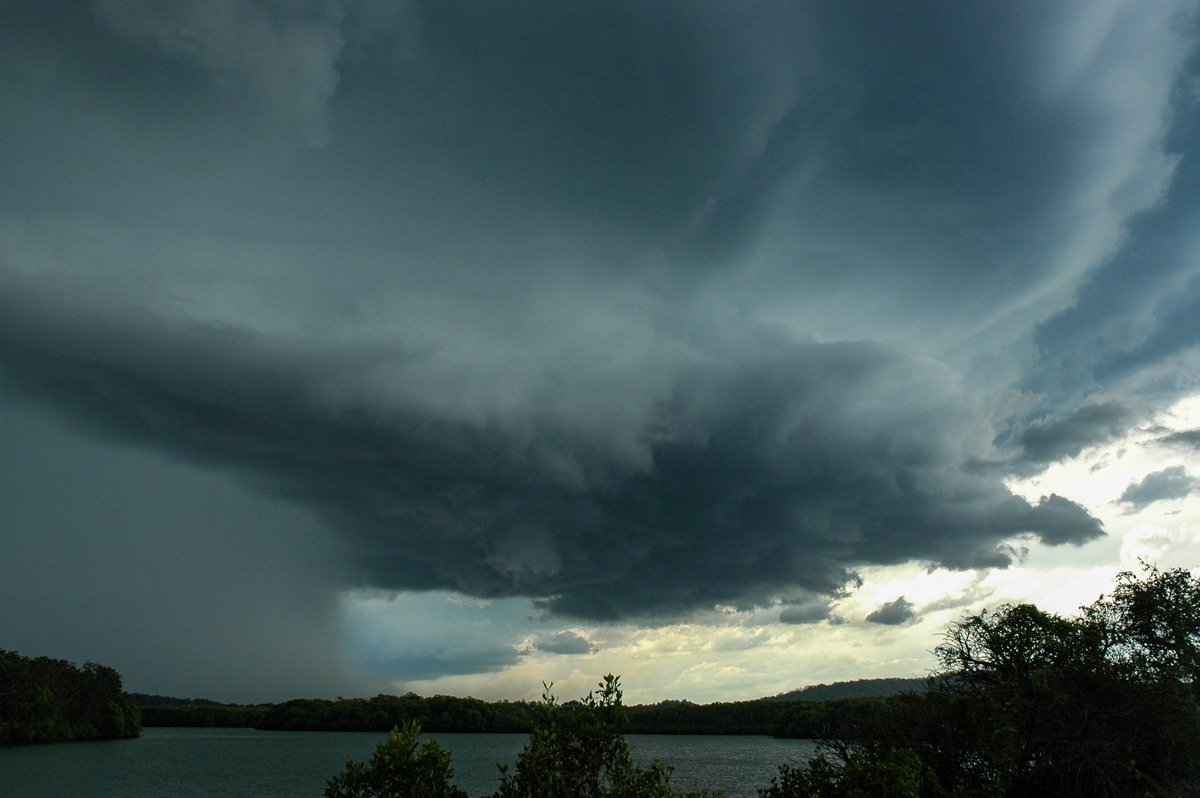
(894,773)
(578,750)
(1026,702)
(46,700)
(400,767)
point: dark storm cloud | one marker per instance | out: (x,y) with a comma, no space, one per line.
(777,472)
(1048,440)
(1137,316)
(631,307)
(1170,483)
(186,583)
(1062,521)
(893,613)
(566,642)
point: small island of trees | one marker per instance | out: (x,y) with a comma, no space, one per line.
(52,700)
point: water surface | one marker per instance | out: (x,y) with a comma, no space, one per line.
(245,763)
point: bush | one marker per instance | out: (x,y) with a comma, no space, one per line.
(896,773)
(400,767)
(578,751)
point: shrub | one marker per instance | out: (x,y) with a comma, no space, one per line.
(400,767)
(578,751)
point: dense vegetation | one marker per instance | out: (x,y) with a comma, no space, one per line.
(1027,702)
(160,710)
(575,750)
(859,688)
(840,719)
(451,714)
(400,766)
(434,714)
(51,700)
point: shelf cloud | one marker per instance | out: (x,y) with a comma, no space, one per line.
(630,310)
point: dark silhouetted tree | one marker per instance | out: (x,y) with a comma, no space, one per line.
(400,767)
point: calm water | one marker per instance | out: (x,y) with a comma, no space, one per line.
(244,763)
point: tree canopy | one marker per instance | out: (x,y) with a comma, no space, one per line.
(50,700)
(1027,702)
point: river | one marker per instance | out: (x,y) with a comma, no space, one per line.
(245,763)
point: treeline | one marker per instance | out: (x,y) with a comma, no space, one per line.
(379,714)
(440,713)
(52,700)
(841,719)
(859,688)
(809,713)
(160,710)
(760,716)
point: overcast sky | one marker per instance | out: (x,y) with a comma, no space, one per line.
(351,346)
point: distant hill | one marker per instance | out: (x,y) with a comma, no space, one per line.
(859,688)
(759,716)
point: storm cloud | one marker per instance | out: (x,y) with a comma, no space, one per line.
(746,479)
(627,309)
(1170,483)
(566,642)
(1055,438)
(893,613)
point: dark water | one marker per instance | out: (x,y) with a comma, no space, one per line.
(244,763)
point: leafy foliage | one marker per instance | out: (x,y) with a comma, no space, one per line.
(400,767)
(47,700)
(578,750)
(1027,702)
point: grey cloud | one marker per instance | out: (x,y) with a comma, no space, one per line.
(1058,437)
(1189,438)
(893,613)
(181,579)
(284,52)
(808,612)
(587,302)
(450,662)
(831,142)
(1170,483)
(1060,521)
(566,642)
(1134,319)
(758,478)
